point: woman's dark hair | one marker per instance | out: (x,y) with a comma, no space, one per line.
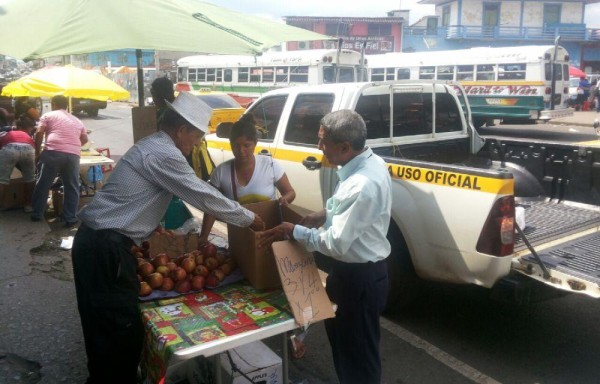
(25,123)
(244,127)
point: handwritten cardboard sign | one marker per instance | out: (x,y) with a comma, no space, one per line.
(301,282)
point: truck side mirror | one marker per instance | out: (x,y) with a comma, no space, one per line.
(224,130)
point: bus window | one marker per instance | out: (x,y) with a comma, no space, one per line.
(565,71)
(328,75)
(557,69)
(426,73)
(266,113)
(299,74)
(464,72)
(377,74)
(281,74)
(192,74)
(182,74)
(403,74)
(511,71)
(445,72)
(255,75)
(243,74)
(268,74)
(485,72)
(211,74)
(201,74)
(227,75)
(346,75)
(304,123)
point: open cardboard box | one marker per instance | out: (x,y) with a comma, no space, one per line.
(258,264)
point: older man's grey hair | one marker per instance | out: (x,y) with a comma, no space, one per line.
(345,125)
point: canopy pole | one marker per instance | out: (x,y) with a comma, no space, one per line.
(140,77)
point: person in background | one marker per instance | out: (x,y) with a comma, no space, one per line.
(593,98)
(64,135)
(23,105)
(126,211)
(584,88)
(352,231)
(162,92)
(17,148)
(248,178)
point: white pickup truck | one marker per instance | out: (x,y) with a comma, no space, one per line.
(454,194)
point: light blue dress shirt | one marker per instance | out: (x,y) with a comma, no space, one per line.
(357,215)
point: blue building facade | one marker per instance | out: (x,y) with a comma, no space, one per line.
(459,24)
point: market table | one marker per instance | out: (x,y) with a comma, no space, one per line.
(209,322)
(92,158)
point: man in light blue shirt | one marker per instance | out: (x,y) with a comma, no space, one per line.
(352,230)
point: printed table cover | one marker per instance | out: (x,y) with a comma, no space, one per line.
(189,320)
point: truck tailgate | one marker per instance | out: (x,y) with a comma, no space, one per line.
(567,240)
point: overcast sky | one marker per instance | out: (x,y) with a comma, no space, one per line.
(276,9)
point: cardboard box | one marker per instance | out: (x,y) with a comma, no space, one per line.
(144,122)
(256,360)
(172,245)
(14,195)
(57,202)
(258,264)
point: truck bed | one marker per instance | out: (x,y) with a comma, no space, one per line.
(547,221)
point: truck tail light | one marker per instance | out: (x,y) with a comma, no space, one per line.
(497,237)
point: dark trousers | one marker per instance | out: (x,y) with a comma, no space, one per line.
(360,292)
(107,297)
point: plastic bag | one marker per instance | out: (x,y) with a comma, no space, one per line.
(191,225)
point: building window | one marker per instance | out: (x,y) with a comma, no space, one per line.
(551,14)
(432,24)
(491,14)
(446,16)
(337,29)
(379,29)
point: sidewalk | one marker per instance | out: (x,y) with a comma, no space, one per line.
(580,118)
(40,333)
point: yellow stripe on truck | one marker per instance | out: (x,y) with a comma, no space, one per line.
(452,179)
(403,172)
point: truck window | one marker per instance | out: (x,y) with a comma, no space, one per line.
(412,114)
(307,112)
(267,113)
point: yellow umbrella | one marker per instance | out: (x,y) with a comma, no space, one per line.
(68,81)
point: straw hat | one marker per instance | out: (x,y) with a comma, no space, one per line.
(191,108)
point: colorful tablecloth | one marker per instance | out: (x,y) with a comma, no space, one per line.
(189,320)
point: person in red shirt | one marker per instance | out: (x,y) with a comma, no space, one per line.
(17,148)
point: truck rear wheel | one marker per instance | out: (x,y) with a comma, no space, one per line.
(405,285)
(92,112)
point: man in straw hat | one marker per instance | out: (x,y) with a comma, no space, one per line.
(125,212)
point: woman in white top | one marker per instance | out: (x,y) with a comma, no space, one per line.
(248,178)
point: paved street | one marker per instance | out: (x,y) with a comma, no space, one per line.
(451,335)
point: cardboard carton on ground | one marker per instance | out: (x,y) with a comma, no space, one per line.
(172,245)
(14,195)
(257,264)
(256,360)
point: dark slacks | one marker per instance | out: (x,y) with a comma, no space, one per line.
(107,297)
(360,292)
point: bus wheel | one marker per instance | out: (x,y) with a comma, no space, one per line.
(405,286)
(92,112)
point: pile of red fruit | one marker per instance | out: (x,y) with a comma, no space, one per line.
(205,267)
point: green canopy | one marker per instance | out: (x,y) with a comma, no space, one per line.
(44,28)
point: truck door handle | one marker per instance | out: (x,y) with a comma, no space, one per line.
(311,163)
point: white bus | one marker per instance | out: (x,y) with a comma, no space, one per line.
(510,83)
(253,75)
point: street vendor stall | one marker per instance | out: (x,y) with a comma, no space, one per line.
(231,311)
(210,322)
